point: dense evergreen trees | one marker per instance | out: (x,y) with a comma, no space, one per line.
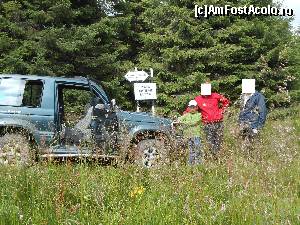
(104,39)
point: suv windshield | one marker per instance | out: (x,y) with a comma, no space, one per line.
(20,92)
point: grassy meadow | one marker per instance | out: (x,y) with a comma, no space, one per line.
(240,188)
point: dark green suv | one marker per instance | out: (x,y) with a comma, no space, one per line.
(59,117)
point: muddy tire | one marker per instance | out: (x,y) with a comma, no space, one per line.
(15,149)
(151,153)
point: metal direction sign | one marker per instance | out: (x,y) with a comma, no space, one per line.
(136,76)
(144,91)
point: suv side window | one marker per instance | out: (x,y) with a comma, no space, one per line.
(21,92)
(32,94)
(76,102)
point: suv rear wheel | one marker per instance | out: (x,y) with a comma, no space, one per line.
(15,149)
(151,153)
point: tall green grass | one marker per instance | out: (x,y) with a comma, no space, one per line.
(239,188)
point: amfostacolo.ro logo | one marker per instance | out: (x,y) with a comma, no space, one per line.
(227,10)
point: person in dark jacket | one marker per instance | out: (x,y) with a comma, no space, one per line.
(253,112)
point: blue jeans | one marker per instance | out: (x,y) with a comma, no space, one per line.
(195,153)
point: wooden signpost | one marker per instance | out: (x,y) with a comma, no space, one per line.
(142,91)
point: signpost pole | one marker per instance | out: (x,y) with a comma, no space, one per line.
(137,106)
(152,107)
(137,102)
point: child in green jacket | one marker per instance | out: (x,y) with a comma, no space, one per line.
(191,122)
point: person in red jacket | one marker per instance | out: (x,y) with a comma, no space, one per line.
(212,107)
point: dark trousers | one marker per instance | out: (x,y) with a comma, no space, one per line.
(248,137)
(246,131)
(194,150)
(214,136)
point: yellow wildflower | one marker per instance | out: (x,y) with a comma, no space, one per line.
(137,191)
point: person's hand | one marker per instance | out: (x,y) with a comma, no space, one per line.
(255,131)
(175,123)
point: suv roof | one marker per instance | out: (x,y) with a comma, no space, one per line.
(80,80)
(37,77)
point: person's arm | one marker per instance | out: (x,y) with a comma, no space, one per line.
(224,101)
(182,119)
(197,99)
(180,122)
(262,111)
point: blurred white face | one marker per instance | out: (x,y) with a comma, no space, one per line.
(205,89)
(248,86)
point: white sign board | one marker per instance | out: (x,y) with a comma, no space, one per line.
(205,89)
(248,86)
(144,91)
(136,76)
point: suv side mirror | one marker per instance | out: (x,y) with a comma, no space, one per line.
(98,105)
(113,103)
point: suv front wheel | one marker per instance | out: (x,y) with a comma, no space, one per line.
(151,153)
(15,149)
